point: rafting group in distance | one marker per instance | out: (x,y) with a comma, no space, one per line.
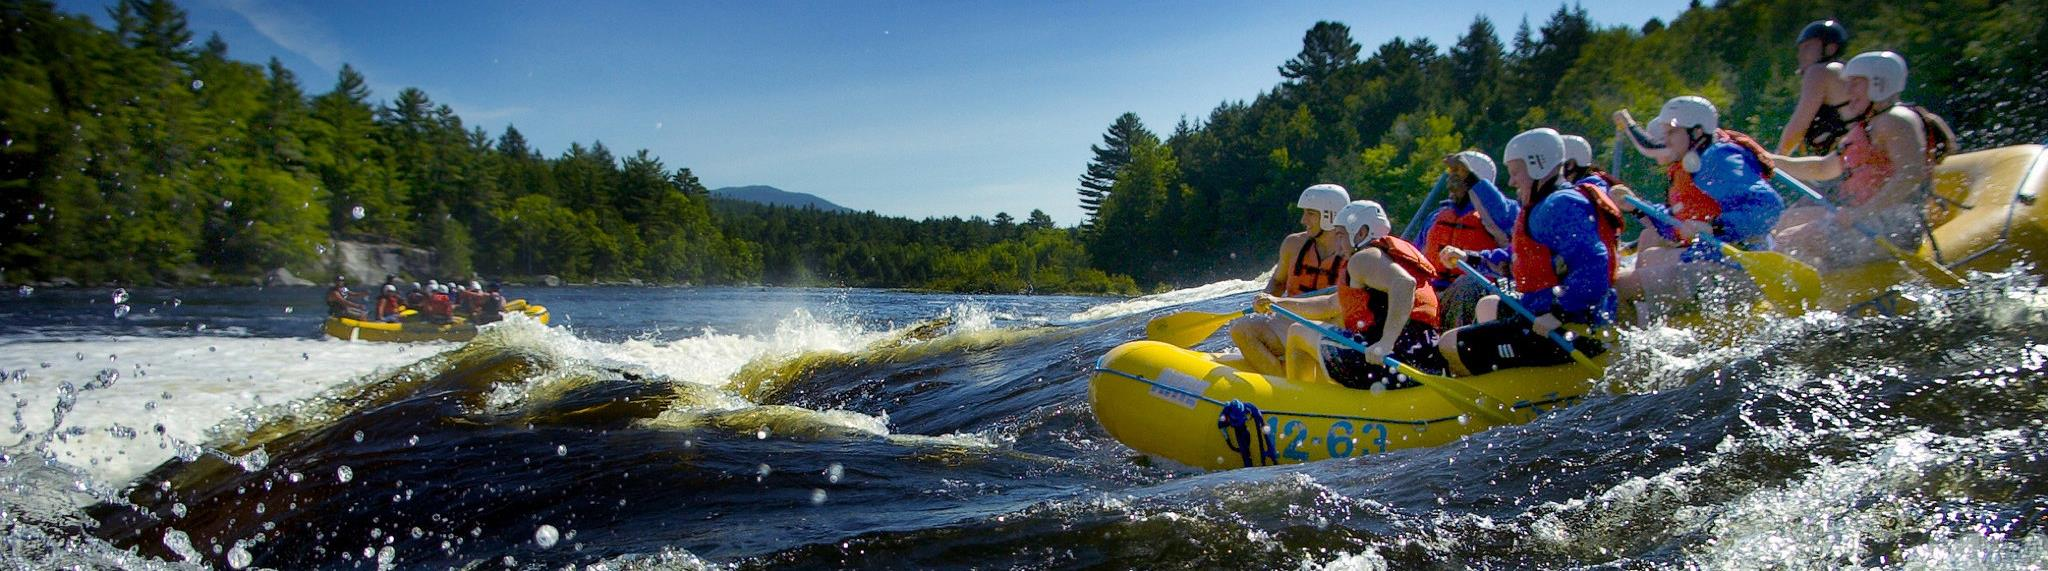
(430,312)
(1354,314)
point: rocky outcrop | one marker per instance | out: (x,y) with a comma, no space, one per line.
(550,280)
(367,263)
(283,277)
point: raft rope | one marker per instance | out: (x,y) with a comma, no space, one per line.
(1232,423)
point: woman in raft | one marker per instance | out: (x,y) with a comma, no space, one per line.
(1564,264)
(1885,162)
(1720,186)
(1310,260)
(1383,301)
(1818,123)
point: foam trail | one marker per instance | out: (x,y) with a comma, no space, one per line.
(1169,299)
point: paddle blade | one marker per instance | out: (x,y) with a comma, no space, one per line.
(1789,284)
(1187,328)
(1464,396)
(1923,266)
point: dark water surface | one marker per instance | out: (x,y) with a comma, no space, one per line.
(837,428)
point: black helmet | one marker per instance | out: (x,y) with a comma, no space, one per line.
(1829,32)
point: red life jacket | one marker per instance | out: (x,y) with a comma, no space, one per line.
(1534,267)
(1361,306)
(388,305)
(1688,202)
(1313,275)
(1465,232)
(438,305)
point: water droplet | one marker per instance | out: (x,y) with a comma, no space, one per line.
(226,204)
(546,536)
(761,434)
(357,212)
(322,248)
(287,310)
(344,474)
(121,311)
(238,557)
(197,84)
(177,302)
(178,509)
(834,472)
(817,496)
(120,295)
(359,436)
(562,450)
(24,291)
(295,477)
(413,441)
(764,470)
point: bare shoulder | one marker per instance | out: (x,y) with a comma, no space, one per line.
(1896,122)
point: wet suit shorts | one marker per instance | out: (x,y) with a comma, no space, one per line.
(1415,347)
(1508,343)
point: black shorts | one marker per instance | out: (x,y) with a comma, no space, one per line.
(1416,347)
(1508,343)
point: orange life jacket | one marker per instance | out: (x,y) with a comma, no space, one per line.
(1465,232)
(1534,267)
(1361,306)
(1310,275)
(388,305)
(438,305)
(1688,202)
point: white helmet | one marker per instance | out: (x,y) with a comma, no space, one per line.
(438,288)
(474,286)
(1327,199)
(1477,162)
(1541,151)
(1689,111)
(1578,151)
(1366,220)
(1886,71)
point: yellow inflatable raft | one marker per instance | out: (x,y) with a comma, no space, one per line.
(416,331)
(1170,402)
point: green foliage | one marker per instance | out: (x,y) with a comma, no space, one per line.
(1381,125)
(131,157)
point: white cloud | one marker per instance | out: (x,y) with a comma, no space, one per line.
(283,25)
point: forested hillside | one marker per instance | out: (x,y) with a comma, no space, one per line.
(136,155)
(1212,197)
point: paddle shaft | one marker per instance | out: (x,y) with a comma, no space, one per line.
(1555,337)
(1449,388)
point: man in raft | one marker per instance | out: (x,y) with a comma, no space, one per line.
(1720,186)
(1473,219)
(338,303)
(1383,301)
(1310,260)
(1887,159)
(1564,264)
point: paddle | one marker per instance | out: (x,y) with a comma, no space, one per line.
(1462,395)
(1186,328)
(1555,337)
(1787,282)
(1934,272)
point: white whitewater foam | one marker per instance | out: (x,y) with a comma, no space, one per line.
(1170,299)
(187,385)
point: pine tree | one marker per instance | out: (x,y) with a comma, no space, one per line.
(1110,157)
(1326,48)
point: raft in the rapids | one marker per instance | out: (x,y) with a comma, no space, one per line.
(1178,404)
(417,331)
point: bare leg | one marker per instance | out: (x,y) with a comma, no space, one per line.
(1304,359)
(1488,310)
(1260,338)
(1448,345)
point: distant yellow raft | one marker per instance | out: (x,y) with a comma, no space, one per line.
(420,331)
(1166,401)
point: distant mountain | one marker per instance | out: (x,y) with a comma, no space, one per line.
(778,197)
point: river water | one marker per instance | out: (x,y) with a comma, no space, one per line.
(830,428)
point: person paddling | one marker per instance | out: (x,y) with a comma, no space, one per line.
(1564,264)
(1472,220)
(1817,123)
(339,303)
(1384,301)
(1310,260)
(1720,185)
(389,305)
(439,308)
(492,308)
(1885,162)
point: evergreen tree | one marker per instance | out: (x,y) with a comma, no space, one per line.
(1110,157)
(1326,48)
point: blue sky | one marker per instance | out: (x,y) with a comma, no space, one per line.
(905,108)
